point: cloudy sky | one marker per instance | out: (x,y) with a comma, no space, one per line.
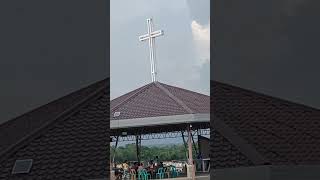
(182,54)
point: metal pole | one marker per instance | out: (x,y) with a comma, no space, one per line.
(185,144)
(200,149)
(190,146)
(138,148)
(194,145)
(195,150)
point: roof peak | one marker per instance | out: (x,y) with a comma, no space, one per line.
(159,99)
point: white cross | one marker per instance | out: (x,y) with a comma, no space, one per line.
(151,36)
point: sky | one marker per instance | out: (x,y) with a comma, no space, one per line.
(182,54)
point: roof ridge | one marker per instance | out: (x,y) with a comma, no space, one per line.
(184,89)
(65,114)
(243,146)
(131,96)
(176,99)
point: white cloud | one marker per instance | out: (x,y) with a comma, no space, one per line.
(201,37)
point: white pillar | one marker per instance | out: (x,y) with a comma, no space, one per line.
(190,167)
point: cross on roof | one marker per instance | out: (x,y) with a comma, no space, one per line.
(150,36)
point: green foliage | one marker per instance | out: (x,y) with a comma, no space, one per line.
(165,153)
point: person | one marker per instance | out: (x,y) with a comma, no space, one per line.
(161,164)
(117,172)
(151,164)
(156,161)
(140,167)
(198,163)
(151,168)
(135,166)
(199,156)
(125,165)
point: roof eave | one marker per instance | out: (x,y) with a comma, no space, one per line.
(160,121)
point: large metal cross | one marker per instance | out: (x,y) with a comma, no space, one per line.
(150,37)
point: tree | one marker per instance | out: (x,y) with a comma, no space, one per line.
(165,153)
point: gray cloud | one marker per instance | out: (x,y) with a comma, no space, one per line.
(199,10)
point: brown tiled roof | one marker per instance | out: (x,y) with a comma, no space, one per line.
(277,131)
(226,154)
(158,99)
(72,144)
(12,131)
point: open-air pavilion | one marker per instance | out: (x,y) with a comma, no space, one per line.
(157,110)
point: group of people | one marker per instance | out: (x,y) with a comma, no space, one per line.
(151,167)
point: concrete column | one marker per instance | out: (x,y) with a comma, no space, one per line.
(115,148)
(190,166)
